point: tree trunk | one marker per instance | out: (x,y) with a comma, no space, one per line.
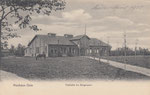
(0,40)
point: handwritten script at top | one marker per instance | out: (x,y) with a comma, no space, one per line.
(123,7)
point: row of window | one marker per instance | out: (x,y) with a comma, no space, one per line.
(63,50)
(92,51)
(89,51)
(38,49)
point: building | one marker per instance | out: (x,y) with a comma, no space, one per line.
(67,45)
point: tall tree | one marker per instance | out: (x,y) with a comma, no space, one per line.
(20,12)
(5,45)
(12,49)
(20,50)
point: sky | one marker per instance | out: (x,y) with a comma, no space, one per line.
(107,20)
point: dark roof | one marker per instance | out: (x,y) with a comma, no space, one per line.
(32,40)
(96,42)
(79,37)
(61,40)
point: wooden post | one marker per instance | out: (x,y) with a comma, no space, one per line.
(94,54)
(79,48)
(136,43)
(99,55)
(107,49)
(125,46)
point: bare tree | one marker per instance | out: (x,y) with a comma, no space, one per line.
(20,12)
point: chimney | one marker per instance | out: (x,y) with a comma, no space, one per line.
(68,36)
(51,34)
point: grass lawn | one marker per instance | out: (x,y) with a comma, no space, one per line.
(142,61)
(65,68)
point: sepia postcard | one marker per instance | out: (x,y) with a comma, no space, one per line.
(74,47)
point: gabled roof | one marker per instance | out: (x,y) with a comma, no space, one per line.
(61,40)
(79,37)
(32,40)
(96,42)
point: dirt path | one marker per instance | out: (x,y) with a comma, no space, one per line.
(9,76)
(127,67)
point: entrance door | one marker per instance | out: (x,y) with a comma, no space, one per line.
(82,51)
(51,52)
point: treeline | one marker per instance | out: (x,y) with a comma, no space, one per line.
(129,51)
(13,51)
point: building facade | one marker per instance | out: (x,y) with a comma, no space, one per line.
(67,45)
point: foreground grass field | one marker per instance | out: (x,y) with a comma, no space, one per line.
(142,61)
(65,68)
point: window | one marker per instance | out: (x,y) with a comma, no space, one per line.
(70,49)
(97,51)
(45,48)
(30,50)
(90,50)
(52,51)
(73,50)
(64,50)
(61,49)
(55,51)
(37,50)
